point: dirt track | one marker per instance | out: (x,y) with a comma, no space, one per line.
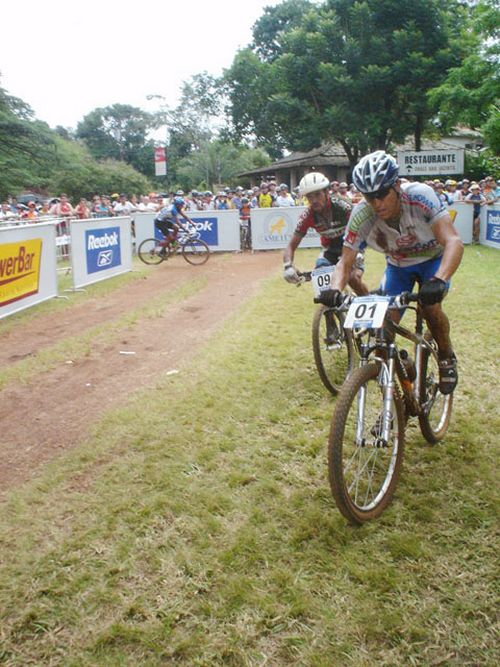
(40,420)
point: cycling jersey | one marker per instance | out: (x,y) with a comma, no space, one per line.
(412,240)
(330,225)
(168,214)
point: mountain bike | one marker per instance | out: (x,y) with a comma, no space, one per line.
(367,434)
(333,346)
(191,247)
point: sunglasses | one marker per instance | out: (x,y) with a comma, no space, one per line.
(380,194)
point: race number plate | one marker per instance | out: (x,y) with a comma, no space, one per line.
(322,279)
(367,312)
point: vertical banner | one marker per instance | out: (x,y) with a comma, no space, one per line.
(160,161)
(28,273)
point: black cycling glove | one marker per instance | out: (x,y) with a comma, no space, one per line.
(333,298)
(432,291)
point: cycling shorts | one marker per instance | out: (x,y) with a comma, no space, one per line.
(328,258)
(397,279)
(166,227)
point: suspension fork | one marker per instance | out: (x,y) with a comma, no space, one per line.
(388,394)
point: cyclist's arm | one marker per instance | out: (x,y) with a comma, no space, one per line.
(446,235)
(343,268)
(292,246)
(185,227)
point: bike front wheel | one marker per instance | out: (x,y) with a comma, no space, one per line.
(364,467)
(436,407)
(195,251)
(151,252)
(333,348)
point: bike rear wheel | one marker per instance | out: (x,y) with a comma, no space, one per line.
(333,348)
(195,251)
(363,468)
(436,407)
(151,252)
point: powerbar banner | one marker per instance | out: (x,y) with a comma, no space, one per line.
(19,270)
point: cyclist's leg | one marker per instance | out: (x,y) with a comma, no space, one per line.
(439,326)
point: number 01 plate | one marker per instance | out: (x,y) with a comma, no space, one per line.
(367,312)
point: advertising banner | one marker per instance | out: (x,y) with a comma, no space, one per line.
(28,273)
(431,163)
(160,161)
(220,229)
(489,233)
(100,248)
(272,228)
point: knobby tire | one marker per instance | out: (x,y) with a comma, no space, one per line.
(363,478)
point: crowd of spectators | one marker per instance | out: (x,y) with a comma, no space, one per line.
(268,194)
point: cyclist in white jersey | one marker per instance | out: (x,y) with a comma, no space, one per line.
(410,225)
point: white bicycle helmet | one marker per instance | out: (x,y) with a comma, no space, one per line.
(374,172)
(313,182)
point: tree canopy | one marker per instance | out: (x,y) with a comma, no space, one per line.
(351,71)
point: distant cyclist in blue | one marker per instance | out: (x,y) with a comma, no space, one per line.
(167,220)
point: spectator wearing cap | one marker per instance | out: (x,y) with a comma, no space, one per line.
(334,187)
(477,199)
(464,190)
(236,198)
(273,190)
(283,198)
(341,192)
(221,203)
(264,198)
(441,193)
(451,190)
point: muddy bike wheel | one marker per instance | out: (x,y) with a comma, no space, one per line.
(151,252)
(333,348)
(363,468)
(195,251)
(436,407)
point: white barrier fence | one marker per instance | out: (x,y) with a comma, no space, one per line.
(272,228)
(27,266)
(100,248)
(219,229)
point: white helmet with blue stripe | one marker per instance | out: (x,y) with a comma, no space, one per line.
(374,172)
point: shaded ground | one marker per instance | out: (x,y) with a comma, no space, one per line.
(40,420)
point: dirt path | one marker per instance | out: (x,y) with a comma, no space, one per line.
(41,420)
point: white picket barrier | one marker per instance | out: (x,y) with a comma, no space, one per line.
(100,248)
(272,228)
(27,266)
(461,214)
(219,229)
(489,230)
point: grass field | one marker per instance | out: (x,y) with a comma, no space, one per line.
(196,527)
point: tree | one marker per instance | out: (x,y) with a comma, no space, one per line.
(350,71)
(218,162)
(470,93)
(116,132)
(25,145)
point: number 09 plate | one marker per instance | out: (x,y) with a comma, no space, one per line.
(367,312)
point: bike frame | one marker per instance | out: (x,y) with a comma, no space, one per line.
(382,343)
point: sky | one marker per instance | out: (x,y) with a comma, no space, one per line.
(65,59)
